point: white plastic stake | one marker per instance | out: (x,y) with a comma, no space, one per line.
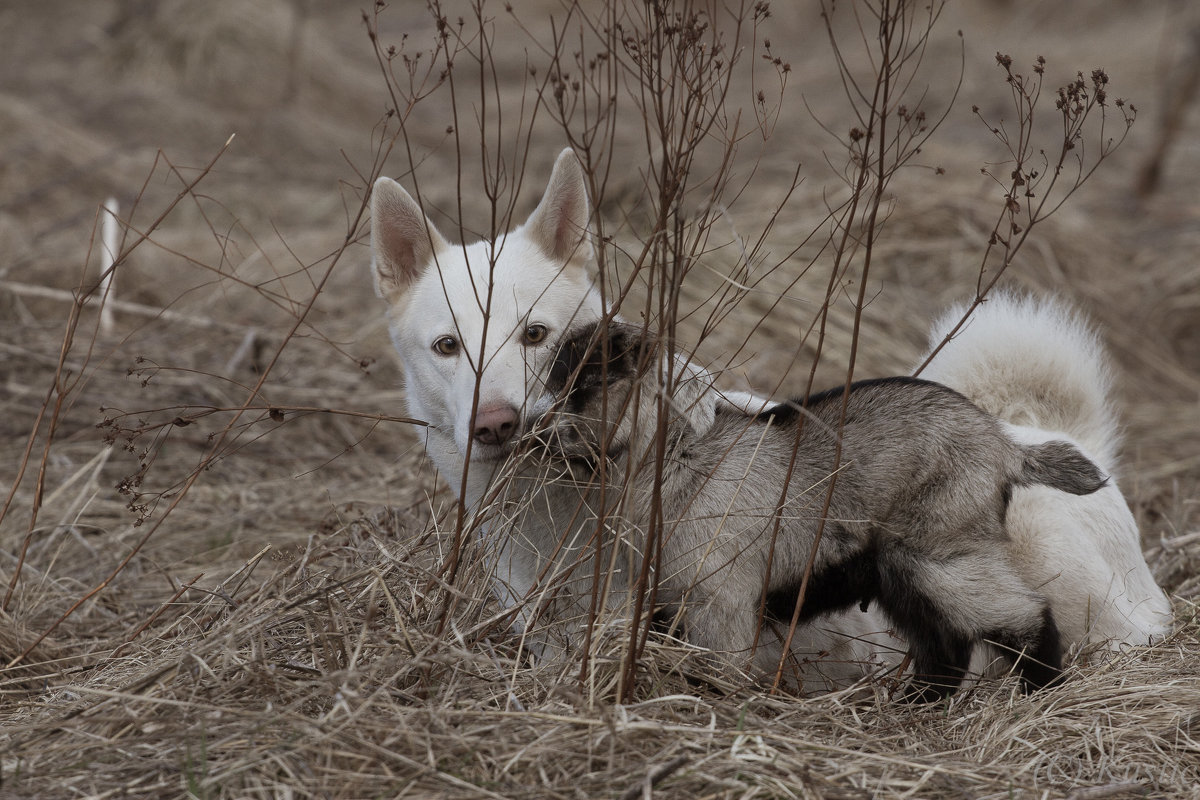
(110,242)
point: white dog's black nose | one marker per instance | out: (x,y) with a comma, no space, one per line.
(495,425)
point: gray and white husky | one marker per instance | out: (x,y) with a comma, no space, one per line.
(896,495)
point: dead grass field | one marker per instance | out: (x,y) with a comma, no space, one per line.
(269,629)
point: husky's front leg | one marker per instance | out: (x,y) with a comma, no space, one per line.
(512,572)
(544,575)
(726,625)
(511,579)
(542,638)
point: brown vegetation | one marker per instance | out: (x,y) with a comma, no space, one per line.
(241,596)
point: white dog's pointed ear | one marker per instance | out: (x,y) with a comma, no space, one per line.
(403,241)
(559,224)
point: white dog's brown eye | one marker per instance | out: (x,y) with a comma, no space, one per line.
(535,334)
(447,345)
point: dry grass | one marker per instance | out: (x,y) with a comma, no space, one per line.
(278,634)
(328,679)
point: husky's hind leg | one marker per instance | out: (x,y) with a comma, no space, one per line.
(940,650)
(946,605)
(1037,654)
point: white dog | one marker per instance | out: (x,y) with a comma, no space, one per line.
(478,325)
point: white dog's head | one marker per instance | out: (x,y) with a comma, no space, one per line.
(477,325)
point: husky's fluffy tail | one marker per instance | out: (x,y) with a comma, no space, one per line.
(1031,362)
